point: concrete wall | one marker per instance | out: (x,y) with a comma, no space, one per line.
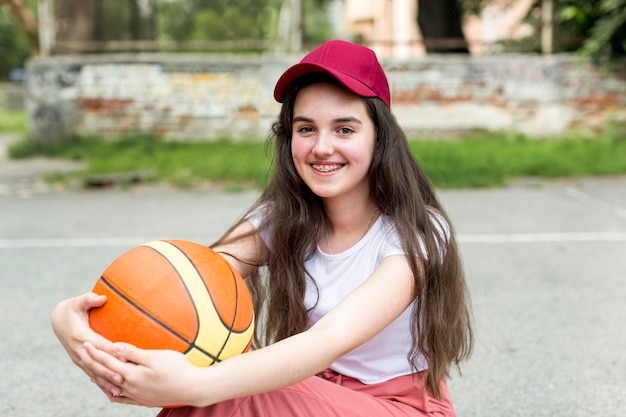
(11,96)
(205,97)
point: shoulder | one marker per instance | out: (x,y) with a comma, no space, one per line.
(257,215)
(438,230)
(440,225)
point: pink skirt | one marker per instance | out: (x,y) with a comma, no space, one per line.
(330,394)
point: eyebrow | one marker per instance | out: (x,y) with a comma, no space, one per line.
(338,120)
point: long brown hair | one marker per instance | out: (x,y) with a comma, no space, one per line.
(440,328)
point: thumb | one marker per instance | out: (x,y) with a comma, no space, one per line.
(92,300)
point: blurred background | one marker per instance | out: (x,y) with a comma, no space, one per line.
(493,75)
(199,69)
(394,28)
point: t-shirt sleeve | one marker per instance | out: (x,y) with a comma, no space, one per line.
(393,244)
(256,218)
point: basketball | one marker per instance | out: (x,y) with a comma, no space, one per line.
(178,295)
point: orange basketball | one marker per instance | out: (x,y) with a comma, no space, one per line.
(178,295)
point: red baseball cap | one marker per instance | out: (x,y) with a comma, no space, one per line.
(354,66)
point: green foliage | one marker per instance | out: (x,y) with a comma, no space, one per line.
(14,46)
(481,160)
(175,20)
(608,35)
(182,20)
(227,25)
(594,28)
(601,23)
(199,20)
(317,27)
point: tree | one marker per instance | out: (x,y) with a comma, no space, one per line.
(184,20)
(24,18)
(15,47)
(601,23)
(593,28)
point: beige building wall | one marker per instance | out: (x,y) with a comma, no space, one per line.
(389,27)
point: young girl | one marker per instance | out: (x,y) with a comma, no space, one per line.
(365,304)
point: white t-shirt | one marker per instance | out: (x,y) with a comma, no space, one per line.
(383,357)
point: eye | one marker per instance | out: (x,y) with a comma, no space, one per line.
(304,129)
(345,131)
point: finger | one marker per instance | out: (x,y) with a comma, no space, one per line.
(103,364)
(110,390)
(91,300)
(80,362)
(129,353)
(85,362)
(122,399)
(101,343)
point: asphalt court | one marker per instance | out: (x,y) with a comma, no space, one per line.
(544,260)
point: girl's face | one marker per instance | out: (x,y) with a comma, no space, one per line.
(333,140)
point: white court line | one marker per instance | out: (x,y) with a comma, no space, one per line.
(543,237)
(584,197)
(73,242)
(95,242)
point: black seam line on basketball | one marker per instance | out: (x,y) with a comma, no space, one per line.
(232,273)
(149,315)
(237,306)
(191,344)
(195,311)
(166,327)
(230,327)
(203,283)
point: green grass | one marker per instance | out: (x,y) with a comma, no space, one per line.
(491,160)
(479,160)
(13,121)
(234,165)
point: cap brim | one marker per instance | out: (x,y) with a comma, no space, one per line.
(298,70)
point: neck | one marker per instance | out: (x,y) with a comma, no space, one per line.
(348,214)
(347,226)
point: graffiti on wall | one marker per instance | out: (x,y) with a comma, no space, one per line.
(205,99)
(49,89)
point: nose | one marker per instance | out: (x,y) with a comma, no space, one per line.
(323,144)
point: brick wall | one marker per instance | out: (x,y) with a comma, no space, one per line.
(204,97)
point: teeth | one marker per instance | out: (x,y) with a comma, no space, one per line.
(326,168)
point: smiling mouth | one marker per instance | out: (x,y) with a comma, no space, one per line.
(325,168)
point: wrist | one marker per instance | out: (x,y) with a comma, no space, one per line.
(202,390)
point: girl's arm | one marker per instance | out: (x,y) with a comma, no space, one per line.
(158,378)
(245,254)
(70,318)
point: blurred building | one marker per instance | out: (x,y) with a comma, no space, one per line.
(499,21)
(387,26)
(391,27)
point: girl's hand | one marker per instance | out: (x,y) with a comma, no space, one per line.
(151,378)
(70,322)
